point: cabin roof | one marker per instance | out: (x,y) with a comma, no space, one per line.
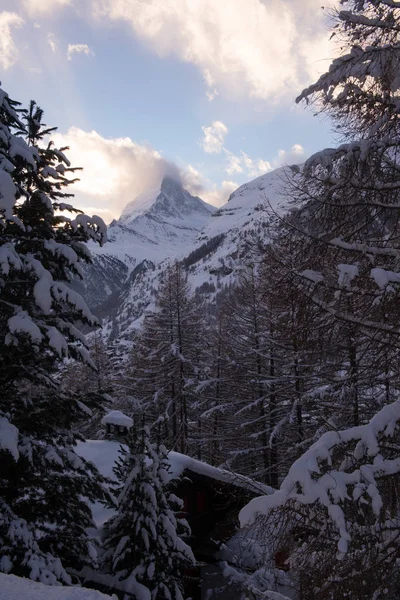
(116,417)
(180,463)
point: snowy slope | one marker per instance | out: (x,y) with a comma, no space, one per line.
(247,205)
(19,588)
(244,218)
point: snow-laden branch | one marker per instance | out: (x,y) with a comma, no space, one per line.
(314,479)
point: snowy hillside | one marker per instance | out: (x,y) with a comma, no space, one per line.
(247,204)
(234,226)
(19,588)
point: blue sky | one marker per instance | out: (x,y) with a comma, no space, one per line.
(139,88)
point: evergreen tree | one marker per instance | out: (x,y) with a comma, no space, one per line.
(44,484)
(143,545)
(248,333)
(216,409)
(337,510)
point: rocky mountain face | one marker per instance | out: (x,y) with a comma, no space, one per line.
(169,224)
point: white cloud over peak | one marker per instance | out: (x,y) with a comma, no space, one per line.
(262,49)
(214,136)
(218,195)
(8,47)
(116,170)
(195,183)
(78,49)
(254,167)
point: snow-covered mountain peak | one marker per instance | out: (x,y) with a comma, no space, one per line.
(174,202)
(213,244)
(167,202)
(160,223)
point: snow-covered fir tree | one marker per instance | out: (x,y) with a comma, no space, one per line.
(45,486)
(143,546)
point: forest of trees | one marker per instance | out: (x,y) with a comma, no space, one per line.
(292,378)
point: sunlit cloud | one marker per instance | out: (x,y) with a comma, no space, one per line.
(214,137)
(8,47)
(39,8)
(198,185)
(254,167)
(219,195)
(254,48)
(117,170)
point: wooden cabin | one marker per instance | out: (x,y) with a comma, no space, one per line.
(117,424)
(212,499)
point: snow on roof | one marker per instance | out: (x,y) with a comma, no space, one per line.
(116,417)
(180,463)
(19,588)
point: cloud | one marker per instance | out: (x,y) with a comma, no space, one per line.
(254,167)
(8,48)
(197,185)
(218,195)
(250,48)
(51,39)
(40,8)
(78,49)
(116,170)
(211,94)
(214,137)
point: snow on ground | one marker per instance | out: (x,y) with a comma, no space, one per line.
(102,453)
(19,588)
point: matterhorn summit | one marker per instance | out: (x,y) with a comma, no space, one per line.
(160,223)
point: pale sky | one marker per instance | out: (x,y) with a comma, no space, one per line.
(203,89)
